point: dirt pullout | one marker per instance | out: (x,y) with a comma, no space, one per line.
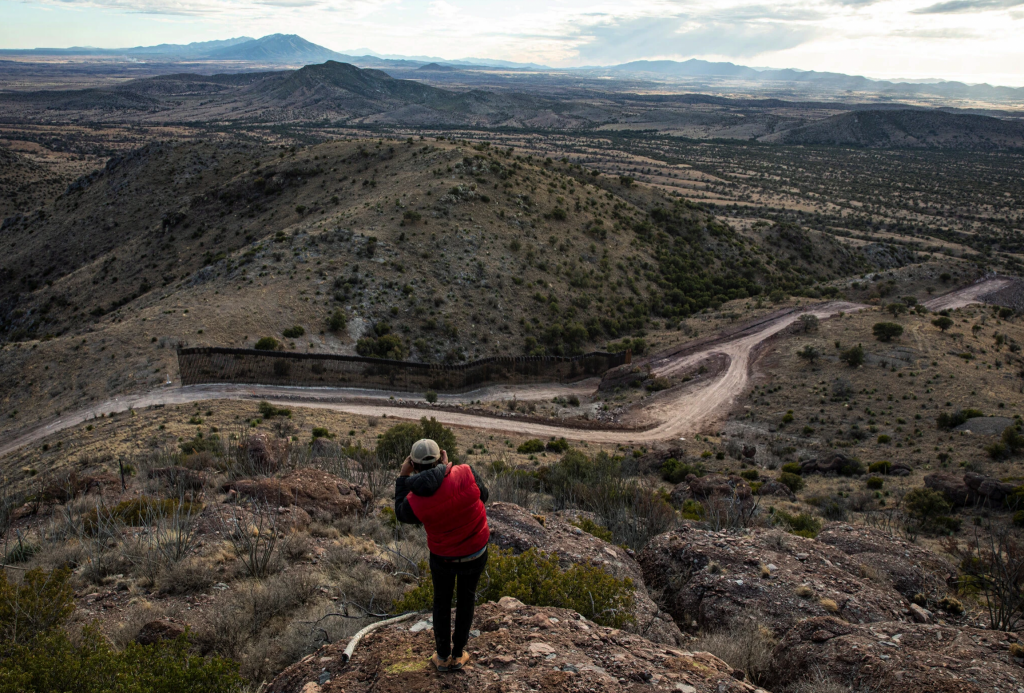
(968,295)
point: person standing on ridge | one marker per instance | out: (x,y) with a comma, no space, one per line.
(448,500)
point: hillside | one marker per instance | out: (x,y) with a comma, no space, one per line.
(907,128)
(460,252)
(25,184)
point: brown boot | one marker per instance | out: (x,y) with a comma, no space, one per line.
(456,663)
(441,664)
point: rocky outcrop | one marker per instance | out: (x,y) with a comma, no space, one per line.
(312,490)
(159,631)
(710,486)
(970,489)
(514,528)
(897,657)
(771,487)
(708,580)
(519,648)
(910,569)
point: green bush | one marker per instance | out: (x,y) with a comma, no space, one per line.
(294,332)
(880,467)
(876,482)
(852,357)
(852,468)
(926,505)
(210,444)
(431,396)
(321,432)
(576,470)
(884,439)
(886,331)
(530,447)
(36,607)
(269,411)
(674,471)
(268,344)
(1018,518)
(792,467)
(337,321)
(803,525)
(394,445)
(692,510)
(88,664)
(794,481)
(387,346)
(942,322)
(749,474)
(136,512)
(591,527)
(558,445)
(960,416)
(536,579)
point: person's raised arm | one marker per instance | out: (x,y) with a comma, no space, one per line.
(403,511)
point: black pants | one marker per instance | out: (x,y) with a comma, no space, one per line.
(444,574)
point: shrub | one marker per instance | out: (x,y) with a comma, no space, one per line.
(809,353)
(876,482)
(787,417)
(749,474)
(942,322)
(884,439)
(925,505)
(852,357)
(269,411)
(294,332)
(852,468)
(137,512)
(88,664)
(794,481)
(394,444)
(809,323)
(560,445)
(386,346)
(803,525)
(626,181)
(36,607)
(887,331)
(747,648)
(337,321)
(530,447)
(674,471)
(957,418)
(536,579)
(321,432)
(591,527)
(431,396)
(881,467)
(268,344)
(791,467)
(558,214)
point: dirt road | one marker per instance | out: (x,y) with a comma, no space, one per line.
(677,412)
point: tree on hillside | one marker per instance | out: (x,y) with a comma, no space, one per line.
(886,331)
(809,354)
(896,309)
(853,357)
(809,323)
(944,323)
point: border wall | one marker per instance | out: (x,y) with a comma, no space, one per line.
(205,365)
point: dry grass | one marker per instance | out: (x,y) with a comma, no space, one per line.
(745,646)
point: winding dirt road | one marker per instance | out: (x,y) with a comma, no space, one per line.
(677,412)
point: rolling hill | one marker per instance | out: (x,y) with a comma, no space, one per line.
(907,128)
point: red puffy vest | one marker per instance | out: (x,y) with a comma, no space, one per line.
(453,516)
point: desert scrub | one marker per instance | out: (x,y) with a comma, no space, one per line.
(268,344)
(674,471)
(536,579)
(137,512)
(802,525)
(591,527)
(794,481)
(530,447)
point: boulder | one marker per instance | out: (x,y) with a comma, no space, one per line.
(514,528)
(773,487)
(900,469)
(833,463)
(708,580)
(261,454)
(312,490)
(897,657)
(710,486)
(909,568)
(159,631)
(236,517)
(970,489)
(519,648)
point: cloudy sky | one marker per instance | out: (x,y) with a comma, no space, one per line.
(969,40)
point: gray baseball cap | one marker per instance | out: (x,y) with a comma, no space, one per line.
(425,451)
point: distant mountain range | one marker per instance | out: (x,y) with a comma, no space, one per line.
(289,49)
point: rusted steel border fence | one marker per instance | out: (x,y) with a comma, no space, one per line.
(203,365)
